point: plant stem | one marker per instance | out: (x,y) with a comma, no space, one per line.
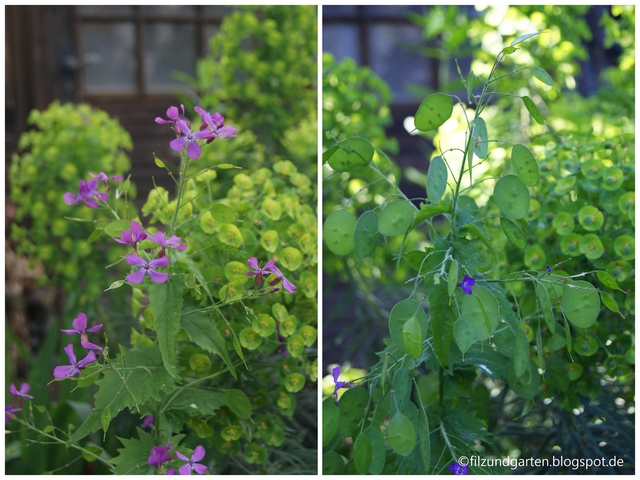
(184,165)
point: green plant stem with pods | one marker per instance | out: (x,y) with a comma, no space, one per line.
(420,408)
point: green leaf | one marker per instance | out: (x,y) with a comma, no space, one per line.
(326,155)
(512,197)
(513,232)
(378,452)
(452,281)
(525,164)
(362,454)
(543,76)
(366,236)
(352,154)
(481,147)
(464,334)
(239,403)
(436,180)
(400,314)
(401,389)
(105,419)
(159,162)
(92,423)
(412,337)
(165,300)
(433,112)
(482,311)
(200,400)
(524,37)
(222,213)
(581,304)
(332,463)
(520,353)
(114,229)
(528,384)
(202,330)
(607,280)
(425,440)
(353,403)
(94,453)
(428,211)
(396,218)
(116,284)
(443,318)
(545,305)
(330,420)
(508,50)
(609,302)
(338,232)
(226,166)
(401,434)
(470,78)
(95,235)
(533,110)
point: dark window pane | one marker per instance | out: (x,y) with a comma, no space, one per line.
(105,9)
(108,58)
(393,11)
(329,11)
(217,10)
(341,39)
(392,59)
(168,10)
(169,48)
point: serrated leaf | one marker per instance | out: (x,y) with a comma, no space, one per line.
(205,402)
(165,300)
(203,332)
(542,75)
(133,458)
(533,110)
(522,38)
(92,423)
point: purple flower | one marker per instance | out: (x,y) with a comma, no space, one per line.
(65,371)
(147,267)
(288,286)
(87,192)
(548,269)
(466,284)
(174,242)
(133,236)
(458,469)
(172,113)
(22,393)
(339,385)
(9,410)
(148,422)
(159,455)
(259,272)
(103,176)
(216,123)
(79,325)
(198,454)
(171,471)
(189,140)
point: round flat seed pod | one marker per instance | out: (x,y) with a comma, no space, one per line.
(525,164)
(512,197)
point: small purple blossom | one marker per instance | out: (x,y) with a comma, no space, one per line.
(458,469)
(9,410)
(22,393)
(174,242)
(466,284)
(87,193)
(147,267)
(336,374)
(288,286)
(133,236)
(103,176)
(159,455)
(216,123)
(259,272)
(65,371)
(79,325)
(148,421)
(171,471)
(198,454)
(190,140)
(173,114)
(548,269)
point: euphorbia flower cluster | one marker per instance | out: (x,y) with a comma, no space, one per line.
(269,268)
(80,327)
(135,235)
(212,127)
(88,192)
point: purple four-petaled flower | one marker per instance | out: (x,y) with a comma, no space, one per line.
(87,193)
(288,286)
(174,242)
(9,410)
(190,140)
(216,124)
(103,176)
(173,114)
(22,393)
(466,284)
(159,455)
(338,385)
(458,469)
(198,454)
(133,236)
(79,325)
(147,267)
(259,272)
(65,371)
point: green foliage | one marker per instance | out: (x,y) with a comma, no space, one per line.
(67,143)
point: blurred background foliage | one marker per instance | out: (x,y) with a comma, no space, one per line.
(586,153)
(261,74)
